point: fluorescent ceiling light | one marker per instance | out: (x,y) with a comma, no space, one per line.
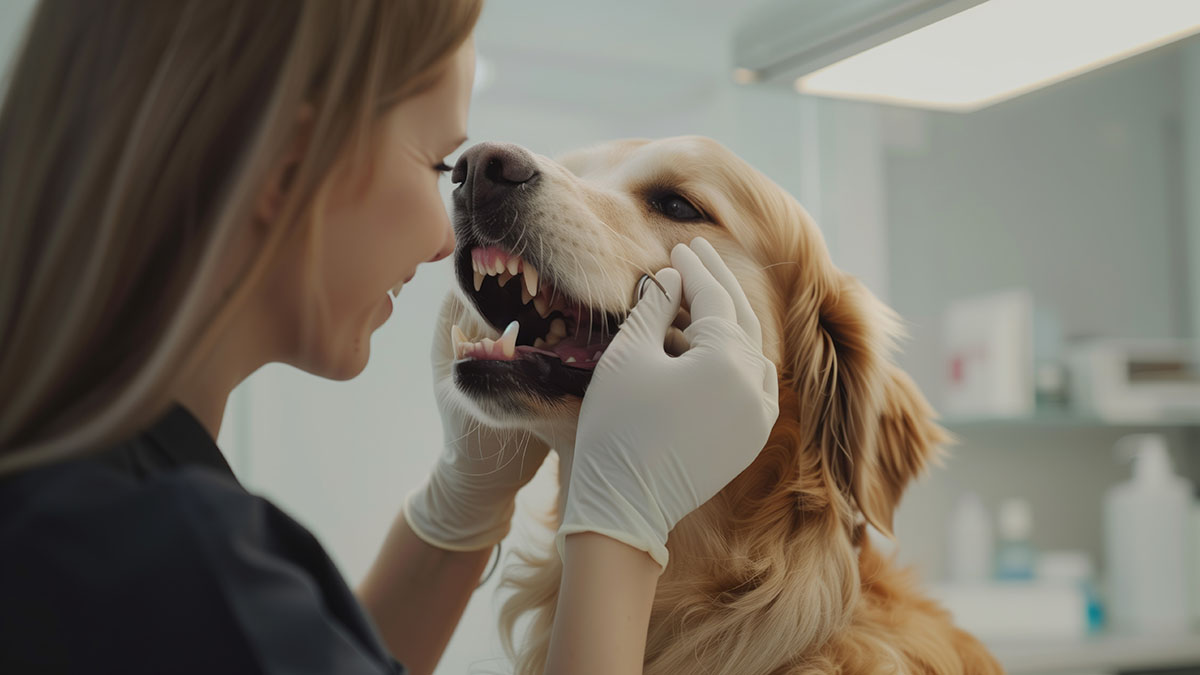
(1003,48)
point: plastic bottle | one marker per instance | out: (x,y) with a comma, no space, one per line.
(1015,555)
(1146,539)
(969,542)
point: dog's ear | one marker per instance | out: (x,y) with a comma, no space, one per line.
(873,428)
(907,439)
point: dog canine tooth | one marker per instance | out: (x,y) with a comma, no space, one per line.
(514,264)
(508,339)
(530,274)
(478,280)
(525,295)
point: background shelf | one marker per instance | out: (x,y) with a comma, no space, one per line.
(1064,420)
(1102,653)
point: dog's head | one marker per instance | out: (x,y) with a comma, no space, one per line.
(557,248)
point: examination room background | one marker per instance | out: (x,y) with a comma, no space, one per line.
(1077,192)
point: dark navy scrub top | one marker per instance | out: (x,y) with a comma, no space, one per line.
(152,558)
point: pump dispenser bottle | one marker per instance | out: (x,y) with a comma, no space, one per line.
(1146,539)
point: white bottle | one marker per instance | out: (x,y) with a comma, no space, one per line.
(1146,540)
(969,542)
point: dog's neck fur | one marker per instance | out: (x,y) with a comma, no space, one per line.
(720,561)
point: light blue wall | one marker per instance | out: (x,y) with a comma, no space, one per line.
(1065,191)
(1077,193)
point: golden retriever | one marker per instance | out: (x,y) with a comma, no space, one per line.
(775,574)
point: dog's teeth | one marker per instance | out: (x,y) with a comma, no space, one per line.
(542,306)
(458,340)
(552,339)
(596,356)
(526,296)
(488,345)
(497,266)
(478,279)
(570,359)
(531,279)
(558,327)
(504,278)
(514,264)
(508,340)
(539,343)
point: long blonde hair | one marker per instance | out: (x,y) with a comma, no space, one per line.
(134,139)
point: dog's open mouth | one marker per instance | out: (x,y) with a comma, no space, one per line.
(535,318)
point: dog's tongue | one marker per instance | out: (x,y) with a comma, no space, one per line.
(570,353)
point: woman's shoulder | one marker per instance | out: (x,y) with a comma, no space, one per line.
(94,508)
(102,568)
(99,567)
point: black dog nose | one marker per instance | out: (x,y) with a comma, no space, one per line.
(488,172)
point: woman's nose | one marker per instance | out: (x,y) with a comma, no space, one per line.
(447,246)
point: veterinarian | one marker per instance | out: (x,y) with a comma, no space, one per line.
(192,189)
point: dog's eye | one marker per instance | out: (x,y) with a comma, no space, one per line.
(675,207)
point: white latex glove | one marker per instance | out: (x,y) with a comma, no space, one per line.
(659,435)
(467,501)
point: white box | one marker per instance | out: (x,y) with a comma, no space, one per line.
(989,356)
(1017,610)
(1135,381)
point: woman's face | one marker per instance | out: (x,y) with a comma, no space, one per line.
(376,233)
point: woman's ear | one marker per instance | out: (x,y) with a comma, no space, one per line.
(268,207)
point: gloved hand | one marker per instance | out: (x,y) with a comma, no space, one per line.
(660,435)
(467,501)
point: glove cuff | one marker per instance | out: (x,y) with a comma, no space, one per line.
(595,504)
(656,551)
(448,520)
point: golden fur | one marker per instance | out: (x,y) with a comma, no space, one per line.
(775,575)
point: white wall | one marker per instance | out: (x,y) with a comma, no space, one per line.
(1190,175)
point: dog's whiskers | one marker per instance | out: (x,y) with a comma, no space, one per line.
(604,325)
